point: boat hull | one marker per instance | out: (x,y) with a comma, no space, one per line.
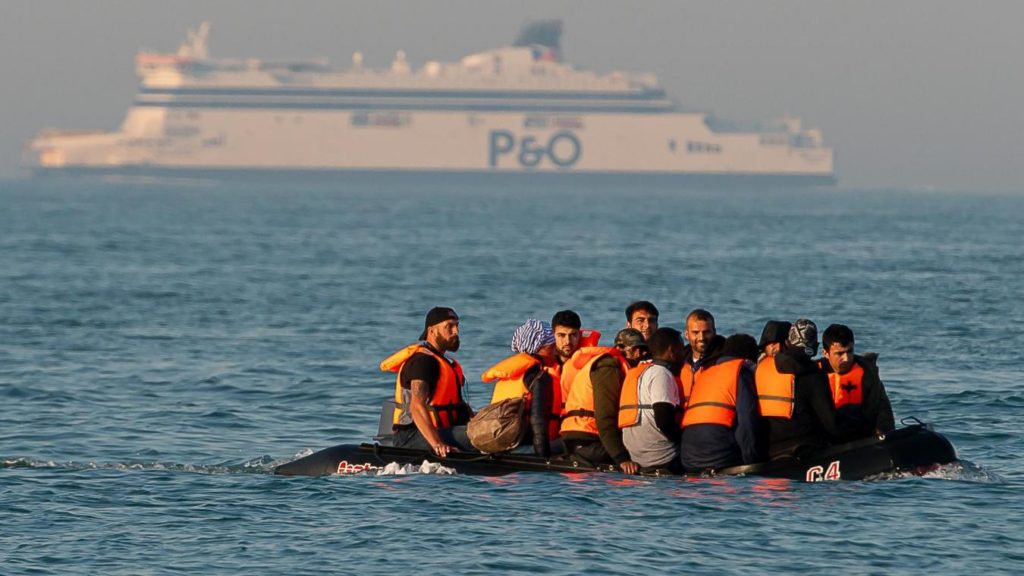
(914,449)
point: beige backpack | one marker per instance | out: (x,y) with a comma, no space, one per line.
(498,427)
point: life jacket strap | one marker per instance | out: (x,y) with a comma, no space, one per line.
(775,398)
(581,413)
(715,404)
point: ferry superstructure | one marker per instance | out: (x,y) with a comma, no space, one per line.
(512,111)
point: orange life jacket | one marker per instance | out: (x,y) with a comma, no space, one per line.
(847,388)
(447,408)
(588,339)
(686,381)
(579,405)
(510,374)
(629,399)
(775,390)
(712,399)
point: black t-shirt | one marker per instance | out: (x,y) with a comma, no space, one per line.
(421,366)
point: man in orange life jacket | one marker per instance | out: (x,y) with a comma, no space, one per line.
(794,398)
(590,430)
(649,405)
(721,424)
(528,374)
(431,412)
(569,337)
(565,325)
(705,345)
(643,316)
(773,341)
(857,390)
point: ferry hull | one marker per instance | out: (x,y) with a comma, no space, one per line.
(414,177)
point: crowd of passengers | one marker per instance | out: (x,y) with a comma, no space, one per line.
(652,401)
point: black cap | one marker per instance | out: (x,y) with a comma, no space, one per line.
(775,332)
(437,315)
(629,338)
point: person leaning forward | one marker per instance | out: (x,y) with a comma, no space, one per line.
(590,430)
(430,411)
(531,373)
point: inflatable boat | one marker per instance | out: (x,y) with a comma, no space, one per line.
(913,449)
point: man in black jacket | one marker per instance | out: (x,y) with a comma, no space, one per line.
(857,390)
(812,424)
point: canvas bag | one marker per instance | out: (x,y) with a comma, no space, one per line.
(498,427)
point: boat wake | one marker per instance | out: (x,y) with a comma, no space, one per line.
(261,465)
(962,470)
(396,469)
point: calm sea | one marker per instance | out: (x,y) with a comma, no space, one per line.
(163,347)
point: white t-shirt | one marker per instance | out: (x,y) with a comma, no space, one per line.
(646,444)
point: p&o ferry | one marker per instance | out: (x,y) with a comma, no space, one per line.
(516,112)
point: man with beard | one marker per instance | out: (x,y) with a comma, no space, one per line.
(430,412)
(590,428)
(570,337)
(721,424)
(704,348)
(566,325)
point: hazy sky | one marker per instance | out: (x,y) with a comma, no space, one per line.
(914,94)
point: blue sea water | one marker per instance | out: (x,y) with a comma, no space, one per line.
(162,347)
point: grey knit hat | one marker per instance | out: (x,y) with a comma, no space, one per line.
(803,335)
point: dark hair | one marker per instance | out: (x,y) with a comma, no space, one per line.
(836,334)
(643,305)
(662,340)
(702,315)
(740,346)
(566,318)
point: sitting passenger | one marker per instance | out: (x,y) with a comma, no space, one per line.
(704,348)
(570,337)
(590,428)
(721,423)
(857,390)
(649,405)
(531,374)
(430,410)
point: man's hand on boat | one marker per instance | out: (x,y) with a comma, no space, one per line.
(442,449)
(629,467)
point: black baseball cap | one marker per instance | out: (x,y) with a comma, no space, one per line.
(437,315)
